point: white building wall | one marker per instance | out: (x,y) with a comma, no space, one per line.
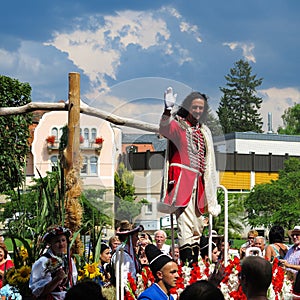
(265,147)
(106,160)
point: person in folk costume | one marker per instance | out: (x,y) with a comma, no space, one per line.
(190,186)
(128,235)
(55,271)
(165,272)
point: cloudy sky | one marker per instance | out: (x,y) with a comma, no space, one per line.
(129,52)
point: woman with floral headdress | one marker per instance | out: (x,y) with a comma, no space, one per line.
(54,272)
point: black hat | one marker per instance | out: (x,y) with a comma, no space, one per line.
(157,259)
(56,231)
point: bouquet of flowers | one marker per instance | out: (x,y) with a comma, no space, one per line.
(53,264)
(17,281)
(280,288)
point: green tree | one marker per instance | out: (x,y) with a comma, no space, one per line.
(291,121)
(14,133)
(235,210)
(213,124)
(239,105)
(126,206)
(96,208)
(276,202)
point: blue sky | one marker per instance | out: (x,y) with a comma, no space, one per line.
(129,52)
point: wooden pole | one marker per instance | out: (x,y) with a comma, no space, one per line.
(73,147)
(73,208)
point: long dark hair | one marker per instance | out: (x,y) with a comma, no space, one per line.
(183,110)
(276,234)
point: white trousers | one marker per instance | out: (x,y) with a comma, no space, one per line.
(190,223)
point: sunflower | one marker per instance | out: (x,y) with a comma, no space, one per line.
(91,270)
(9,276)
(81,274)
(23,274)
(23,253)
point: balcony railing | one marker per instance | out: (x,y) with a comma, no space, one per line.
(86,145)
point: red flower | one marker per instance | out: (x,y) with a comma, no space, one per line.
(277,277)
(238,295)
(195,274)
(132,283)
(99,140)
(128,296)
(51,139)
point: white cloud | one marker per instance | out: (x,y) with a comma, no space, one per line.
(98,53)
(98,50)
(191,29)
(246,49)
(140,28)
(275,101)
(8,59)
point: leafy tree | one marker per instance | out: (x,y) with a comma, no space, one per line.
(276,202)
(213,124)
(238,109)
(96,208)
(126,206)
(14,133)
(235,210)
(291,121)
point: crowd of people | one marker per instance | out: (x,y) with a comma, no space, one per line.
(54,274)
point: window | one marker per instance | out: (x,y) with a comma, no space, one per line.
(89,166)
(84,169)
(148,209)
(54,131)
(93,133)
(131,148)
(86,134)
(93,165)
(54,163)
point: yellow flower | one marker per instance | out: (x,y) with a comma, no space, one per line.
(91,270)
(81,274)
(23,274)
(10,276)
(23,253)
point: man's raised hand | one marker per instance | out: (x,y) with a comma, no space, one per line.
(169,98)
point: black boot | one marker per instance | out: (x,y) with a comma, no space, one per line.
(186,254)
(196,250)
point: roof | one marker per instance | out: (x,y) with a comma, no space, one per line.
(258,136)
(159,143)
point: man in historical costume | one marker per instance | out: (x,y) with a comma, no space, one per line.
(165,272)
(128,235)
(191,187)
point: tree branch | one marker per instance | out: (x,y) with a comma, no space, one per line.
(88,110)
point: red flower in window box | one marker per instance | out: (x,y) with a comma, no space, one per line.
(81,139)
(99,140)
(50,139)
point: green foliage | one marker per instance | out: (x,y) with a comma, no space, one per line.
(34,209)
(14,133)
(213,124)
(291,121)
(238,109)
(277,202)
(126,207)
(235,210)
(95,207)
